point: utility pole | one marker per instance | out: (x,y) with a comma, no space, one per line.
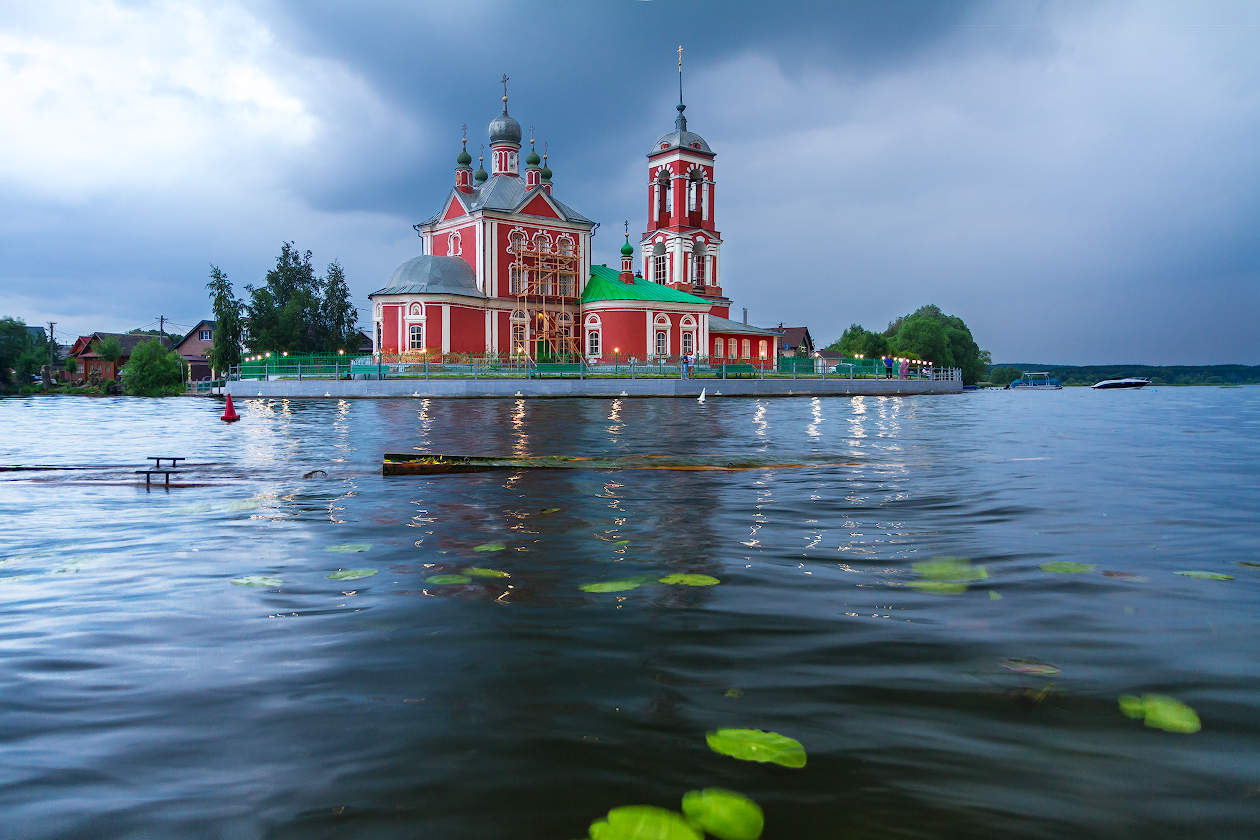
(162,328)
(52,344)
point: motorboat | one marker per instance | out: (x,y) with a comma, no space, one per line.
(1035,381)
(1127,382)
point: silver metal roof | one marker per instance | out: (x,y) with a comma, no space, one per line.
(432,275)
(726,325)
(508,193)
(681,139)
(505,128)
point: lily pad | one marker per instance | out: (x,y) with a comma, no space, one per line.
(1205,575)
(1161,712)
(1029,666)
(621,542)
(950,568)
(613,585)
(257,581)
(938,587)
(995,596)
(550,510)
(490,547)
(477,571)
(690,580)
(723,813)
(446,580)
(757,745)
(349,548)
(643,822)
(733,692)
(1067,567)
(351,574)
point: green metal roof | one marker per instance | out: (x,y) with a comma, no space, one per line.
(605,284)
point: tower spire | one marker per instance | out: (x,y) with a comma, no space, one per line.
(681,122)
(504,81)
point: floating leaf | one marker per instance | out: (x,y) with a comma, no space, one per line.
(258,581)
(1248,563)
(643,822)
(950,568)
(938,587)
(1161,712)
(995,596)
(490,547)
(1205,575)
(445,580)
(550,510)
(477,571)
(1067,567)
(351,574)
(621,542)
(349,548)
(613,585)
(733,692)
(1029,666)
(725,814)
(690,580)
(757,745)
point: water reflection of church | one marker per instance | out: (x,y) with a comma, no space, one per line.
(506,268)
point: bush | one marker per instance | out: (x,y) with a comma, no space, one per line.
(153,371)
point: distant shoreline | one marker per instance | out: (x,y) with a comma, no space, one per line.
(1158,374)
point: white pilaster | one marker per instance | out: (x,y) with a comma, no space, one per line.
(446,328)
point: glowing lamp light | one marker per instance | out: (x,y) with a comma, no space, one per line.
(268,354)
(341,352)
(285,353)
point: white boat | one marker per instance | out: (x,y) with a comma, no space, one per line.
(1127,382)
(1035,381)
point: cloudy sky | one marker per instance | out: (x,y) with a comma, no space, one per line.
(1079,181)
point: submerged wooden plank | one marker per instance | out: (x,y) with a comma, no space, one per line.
(434,464)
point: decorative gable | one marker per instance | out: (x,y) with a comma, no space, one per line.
(453,210)
(539,206)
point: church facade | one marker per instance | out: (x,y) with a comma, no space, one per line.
(506,268)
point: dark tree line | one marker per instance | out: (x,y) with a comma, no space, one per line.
(294,311)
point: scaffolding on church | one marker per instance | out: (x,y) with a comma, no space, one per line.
(544,280)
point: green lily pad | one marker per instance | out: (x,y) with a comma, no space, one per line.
(349,548)
(938,587)
(757,745)
(733,692)
(446,580)
(725,814)
(1029,666)
(258,581)
(995,596)
(690,580)
(1205,575)
(550,510)
(477,571)
(613,585)
(351,574)
(621,542)
(1161,712)
(950,568)
(643,822)
(490,547)
(1067,567)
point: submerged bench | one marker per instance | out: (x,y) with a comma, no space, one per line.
(148,475)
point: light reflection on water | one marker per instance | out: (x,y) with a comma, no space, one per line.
(147,694)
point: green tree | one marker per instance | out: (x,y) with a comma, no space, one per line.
(922,337)
(284,314)
(859,341)
(72,365)
(1004,374)
(14,339)
(340,318)
(225,350)
(109,349)
(911,336)
(153,371)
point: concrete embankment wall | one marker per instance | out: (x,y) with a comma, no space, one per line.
(555,388)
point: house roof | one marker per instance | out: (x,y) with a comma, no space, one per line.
(794,336)
(36,333)
(189,334)
(128,342)
(605,284)
(506,193)
(726,325)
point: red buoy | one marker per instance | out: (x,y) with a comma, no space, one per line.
(229,413)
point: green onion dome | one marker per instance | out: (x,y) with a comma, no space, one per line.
(464,158)
(627,250)
(532,159)
(481,174)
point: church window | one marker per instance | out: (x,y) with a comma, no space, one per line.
(688,343)
(698,261)
(453,247)
(517,277)
(719,348)
(516,242)
(592,343)
(519,332)
(565,246)
(415,338)
(564,282)
(662,343)
(660,264)
(747,348)
(565,322)
(761,348)
(542,243)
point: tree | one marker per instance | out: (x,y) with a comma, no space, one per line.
(858,341)
(340,318)
(72,365)
(109,349)
(284,314)
(923,338)
(153,371)
(14,341)
(225,351)
(1004,374)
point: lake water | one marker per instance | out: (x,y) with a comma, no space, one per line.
(145,694)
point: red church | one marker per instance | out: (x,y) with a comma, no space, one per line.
(506,268)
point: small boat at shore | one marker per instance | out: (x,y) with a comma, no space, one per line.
(1035,381)
(1127,382)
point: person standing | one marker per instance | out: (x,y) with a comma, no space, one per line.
(905,367)
(888,367)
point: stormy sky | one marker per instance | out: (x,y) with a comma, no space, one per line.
(1079,181)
